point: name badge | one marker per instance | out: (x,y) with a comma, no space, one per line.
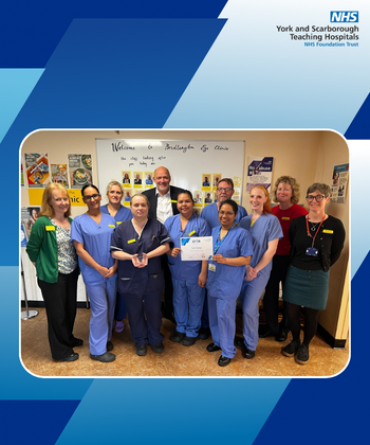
(130,241)
(118,223)
(112,225)
(327,231)
(192,233)
(286,218)
(212,267)
(173,201)
(311,251)
(50,228)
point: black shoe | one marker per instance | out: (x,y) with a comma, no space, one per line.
(267,333)
(141,350)
(291,349)
(223,361)
(282,336)
(177,337)
(213,348)
(303,355)
(109,346)
(204,333)
(158,348)
(247,353)
(70,358)
(78,342)
(189,341)
(105,358)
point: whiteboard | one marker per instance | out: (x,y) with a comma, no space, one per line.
(188,161)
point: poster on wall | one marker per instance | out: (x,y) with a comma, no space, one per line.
(37,169)
(80,170)
(29,216)
(22,176)
(259,172)
(339,183)
(59,174)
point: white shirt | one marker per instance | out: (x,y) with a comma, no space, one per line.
(164,206)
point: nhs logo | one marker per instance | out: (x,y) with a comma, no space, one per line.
(344,16)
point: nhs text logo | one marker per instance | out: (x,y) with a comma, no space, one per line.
(344,16)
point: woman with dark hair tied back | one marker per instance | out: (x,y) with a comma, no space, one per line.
(286,194)
(188,277)
(92,233)
(316,240)
(51,250)
(233,249)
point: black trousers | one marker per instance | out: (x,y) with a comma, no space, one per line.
(271,298)
(61,304)
(168,287)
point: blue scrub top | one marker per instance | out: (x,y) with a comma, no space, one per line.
(210,214)
(96,239)
(226,282)
(196,226)
(123,214)
(131,279)
(265,229)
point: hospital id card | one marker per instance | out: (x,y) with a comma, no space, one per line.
(196,249)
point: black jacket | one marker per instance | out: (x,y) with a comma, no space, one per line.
(151,195)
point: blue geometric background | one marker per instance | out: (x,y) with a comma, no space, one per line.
(123,64)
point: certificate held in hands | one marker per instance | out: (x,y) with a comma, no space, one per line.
(197,248)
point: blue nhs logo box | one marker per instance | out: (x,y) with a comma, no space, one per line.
(344,16)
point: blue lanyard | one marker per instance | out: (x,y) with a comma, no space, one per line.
(219,242)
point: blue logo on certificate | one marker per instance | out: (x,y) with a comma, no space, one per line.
(344,16)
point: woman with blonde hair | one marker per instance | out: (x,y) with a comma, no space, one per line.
(266,232)
(51,250)
(286,194)
(120,214)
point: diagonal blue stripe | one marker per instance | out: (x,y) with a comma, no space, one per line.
(178,411)
(15,87)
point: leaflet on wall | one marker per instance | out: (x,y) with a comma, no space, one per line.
(259,172)
(29,216)
(37,169)
(340,183)
(59,174)
(80,170)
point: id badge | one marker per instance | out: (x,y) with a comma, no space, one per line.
(311,251)
(212,267)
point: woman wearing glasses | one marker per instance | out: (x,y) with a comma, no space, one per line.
(233,248)
(92,233)
(138,244)
(316,243)
(120,214)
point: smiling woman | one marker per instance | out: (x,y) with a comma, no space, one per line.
(92,233)
(52,252)
(317,240)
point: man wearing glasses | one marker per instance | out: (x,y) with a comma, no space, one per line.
(225,190)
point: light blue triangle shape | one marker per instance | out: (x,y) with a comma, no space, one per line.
(15,87)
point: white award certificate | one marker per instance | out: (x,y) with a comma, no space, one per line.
(197,248)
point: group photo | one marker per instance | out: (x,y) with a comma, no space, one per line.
(234,262)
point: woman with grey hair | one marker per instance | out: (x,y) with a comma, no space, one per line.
(286,194)
(316,240)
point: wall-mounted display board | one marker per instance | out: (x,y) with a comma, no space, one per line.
(193,165)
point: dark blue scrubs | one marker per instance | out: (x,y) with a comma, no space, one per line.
(142,287)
